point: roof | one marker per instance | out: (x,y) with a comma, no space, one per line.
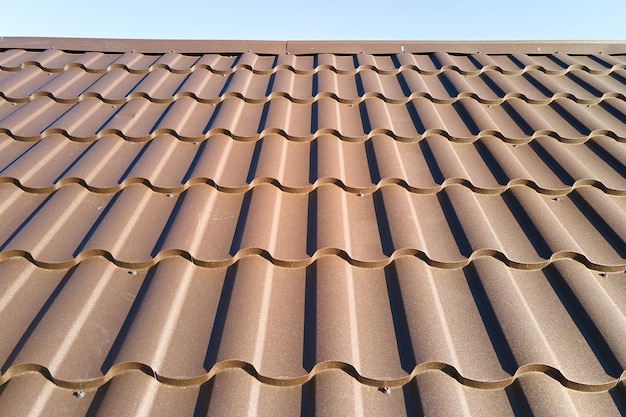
(312,228)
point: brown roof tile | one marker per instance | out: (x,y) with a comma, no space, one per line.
(301,228)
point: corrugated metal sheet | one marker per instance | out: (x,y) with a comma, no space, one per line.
(416,232)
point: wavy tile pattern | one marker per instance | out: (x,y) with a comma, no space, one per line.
(330,393)
(286,324)
(136,227)
(167,165)
(400,233)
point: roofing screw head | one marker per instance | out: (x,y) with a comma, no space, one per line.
(132,272)
(79,394)
(385,390)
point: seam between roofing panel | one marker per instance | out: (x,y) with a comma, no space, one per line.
(370,95)
(328,251)
(448,182)
(320,367)
(319,133)
(360,68)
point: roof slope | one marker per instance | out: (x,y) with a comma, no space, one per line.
(312,228)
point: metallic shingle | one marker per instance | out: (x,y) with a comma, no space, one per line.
(312,228)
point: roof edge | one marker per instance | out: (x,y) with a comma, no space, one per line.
(490,47)
(310,47)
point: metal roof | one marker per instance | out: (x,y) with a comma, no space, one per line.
(312,228)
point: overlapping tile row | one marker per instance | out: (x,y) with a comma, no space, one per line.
(485,325)
(330,393)
(137,226)
(55,60)
(85,104)
(166,164)
(465,120)
(160,85)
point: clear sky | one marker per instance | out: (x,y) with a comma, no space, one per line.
(318,19)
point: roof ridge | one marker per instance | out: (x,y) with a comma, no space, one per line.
(311,47)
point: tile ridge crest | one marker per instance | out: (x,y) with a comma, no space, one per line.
(308,47)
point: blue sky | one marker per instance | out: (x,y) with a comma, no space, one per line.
(320,19)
